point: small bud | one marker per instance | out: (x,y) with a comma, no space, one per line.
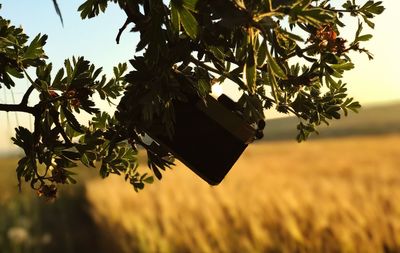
(53,94)
(71,93)
(75,102)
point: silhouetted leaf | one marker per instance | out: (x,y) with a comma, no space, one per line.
(58,11)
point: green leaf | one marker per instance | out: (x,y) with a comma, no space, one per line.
(175,17)
(354,106)
(277,70)
(149,180)
(189,23)
(274,84)
(14,72)
(204,87)
(92,8)
(72,121)
(190,4)
(372,7)
(343,66)
(250,72)
(317,16)
(85,160)
(218,52)
(262,54)
(58,11)
(369,22)
(24,139)
(365,37)
(35,49)
(22,164)
(71,155)
(58,79)
(291,36)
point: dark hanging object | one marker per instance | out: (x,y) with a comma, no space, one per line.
(208,137)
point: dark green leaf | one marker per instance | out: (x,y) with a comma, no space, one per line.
(262,54)
(277,70)
(189,23)
(190,4)
(58,11)
(175,17)
(72,121)
(365,37)
(250,72)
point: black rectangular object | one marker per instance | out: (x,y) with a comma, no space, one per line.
(208,138)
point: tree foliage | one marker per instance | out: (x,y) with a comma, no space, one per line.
(286,55)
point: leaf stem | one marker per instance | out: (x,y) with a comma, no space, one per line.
(224,74)
(55,115)
(35,85)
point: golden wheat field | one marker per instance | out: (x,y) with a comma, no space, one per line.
(338,195)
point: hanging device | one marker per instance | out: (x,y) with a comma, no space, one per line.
(209,136)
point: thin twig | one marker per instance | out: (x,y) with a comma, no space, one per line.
(31,81)
(122,29)
(224,74)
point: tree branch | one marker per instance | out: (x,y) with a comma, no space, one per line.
(55,115)
(122,29)
(25,98)
(17,108)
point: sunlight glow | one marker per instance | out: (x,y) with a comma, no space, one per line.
(216,90)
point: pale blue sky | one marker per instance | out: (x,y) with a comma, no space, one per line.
(93,38)
(371,82)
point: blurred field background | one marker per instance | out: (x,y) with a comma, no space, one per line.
(335,194)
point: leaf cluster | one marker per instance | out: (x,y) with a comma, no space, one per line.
(283,55)
(15,54)
(191,45)
(59,142)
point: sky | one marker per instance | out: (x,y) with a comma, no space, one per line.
(371,82)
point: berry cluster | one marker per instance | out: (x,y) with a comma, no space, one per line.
(326,39)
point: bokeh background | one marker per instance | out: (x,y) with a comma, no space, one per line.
(338,192)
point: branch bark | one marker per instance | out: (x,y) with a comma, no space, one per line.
(28,92)
(121,30)
(17,108)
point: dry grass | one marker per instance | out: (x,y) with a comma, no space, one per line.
(321,196)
